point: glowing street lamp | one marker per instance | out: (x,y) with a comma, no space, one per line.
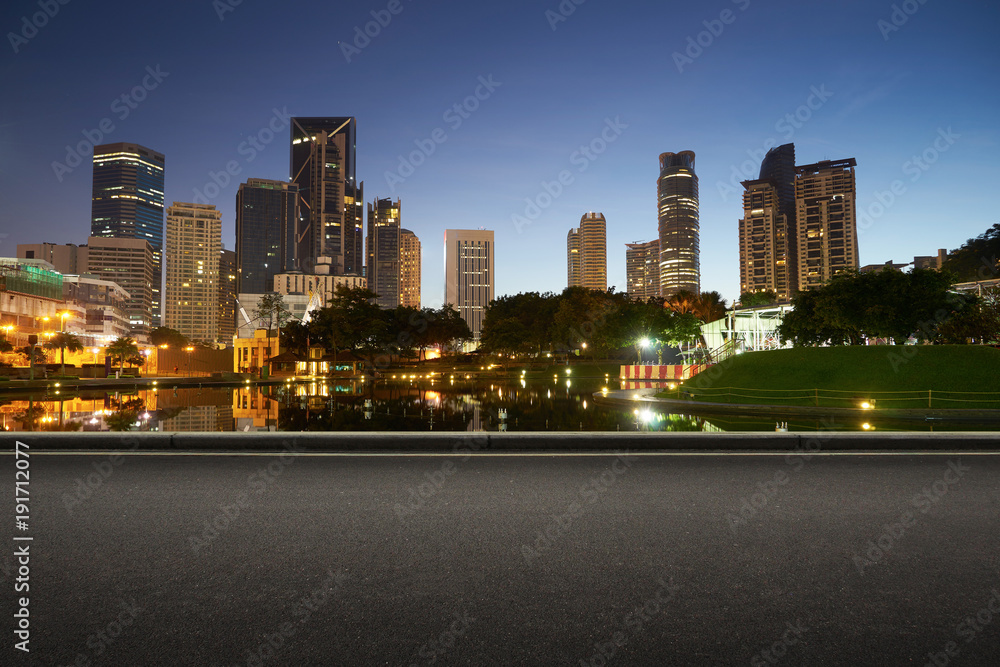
(189,349)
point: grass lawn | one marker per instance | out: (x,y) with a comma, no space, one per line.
(938,376)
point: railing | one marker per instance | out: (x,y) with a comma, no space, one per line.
(869,400)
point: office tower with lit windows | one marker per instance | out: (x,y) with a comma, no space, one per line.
(766,262)
(642,269)
(127,202)
(331,201)
(130,263)
(227,296)
(587,253)
(826,220)
(383,249)
(409,269)
(267,213)
(677,195)
(468,274)
(193,251)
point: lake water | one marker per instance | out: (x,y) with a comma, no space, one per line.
(414,405)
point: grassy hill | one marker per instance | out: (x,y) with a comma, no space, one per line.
(950,376)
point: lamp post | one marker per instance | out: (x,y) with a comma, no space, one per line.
(95,351)
(189,350)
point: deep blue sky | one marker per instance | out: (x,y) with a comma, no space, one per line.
(608,60)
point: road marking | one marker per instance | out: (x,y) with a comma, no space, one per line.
(512,454)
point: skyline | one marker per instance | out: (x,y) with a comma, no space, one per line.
(530,91)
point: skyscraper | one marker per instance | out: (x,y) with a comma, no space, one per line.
(331,222)
(227,296)
(468,274)
(193,250)
(131,264)
(587,253)
(642,269)
(383,270)
(677,192)
(266,217)
(409,269)
(127,202)
(766,261)
(826,220)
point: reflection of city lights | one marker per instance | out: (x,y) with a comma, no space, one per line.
(868,427)
(866,405)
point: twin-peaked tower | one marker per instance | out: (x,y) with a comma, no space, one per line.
(799,224)
(587,253)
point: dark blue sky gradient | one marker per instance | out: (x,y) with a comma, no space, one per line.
(608,60)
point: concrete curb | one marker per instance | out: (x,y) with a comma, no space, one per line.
(464,443)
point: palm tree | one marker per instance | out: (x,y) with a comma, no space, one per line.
(122,348)
(63,341)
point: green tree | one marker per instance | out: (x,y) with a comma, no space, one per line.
(122,420)
(978,258)
(166,336)
(122,348)
(755,299)
(63,341)
(40,356)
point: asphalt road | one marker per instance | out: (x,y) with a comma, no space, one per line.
(507,560)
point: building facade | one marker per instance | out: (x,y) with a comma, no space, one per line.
(826,220)
(68,258)
(321,281)
(227,296)
(127,202)
(100,306)
(331,201)
(587,253)
(642,269)
(409,269)
(677,199)
(266,217)
(131,264)
(31,295)
(383,249)
(766,260)
(468,274)
(193,250)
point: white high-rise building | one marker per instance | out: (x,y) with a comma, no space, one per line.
(468,274)
(193,247)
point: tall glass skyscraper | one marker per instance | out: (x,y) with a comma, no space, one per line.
(677,191)
(266,216)
(383,270)
(127,202)
(331,222)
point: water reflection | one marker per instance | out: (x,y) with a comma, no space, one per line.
(350,405)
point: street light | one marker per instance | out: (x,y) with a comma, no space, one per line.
(62,320)
(189,349)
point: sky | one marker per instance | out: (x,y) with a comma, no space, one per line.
(591,91)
